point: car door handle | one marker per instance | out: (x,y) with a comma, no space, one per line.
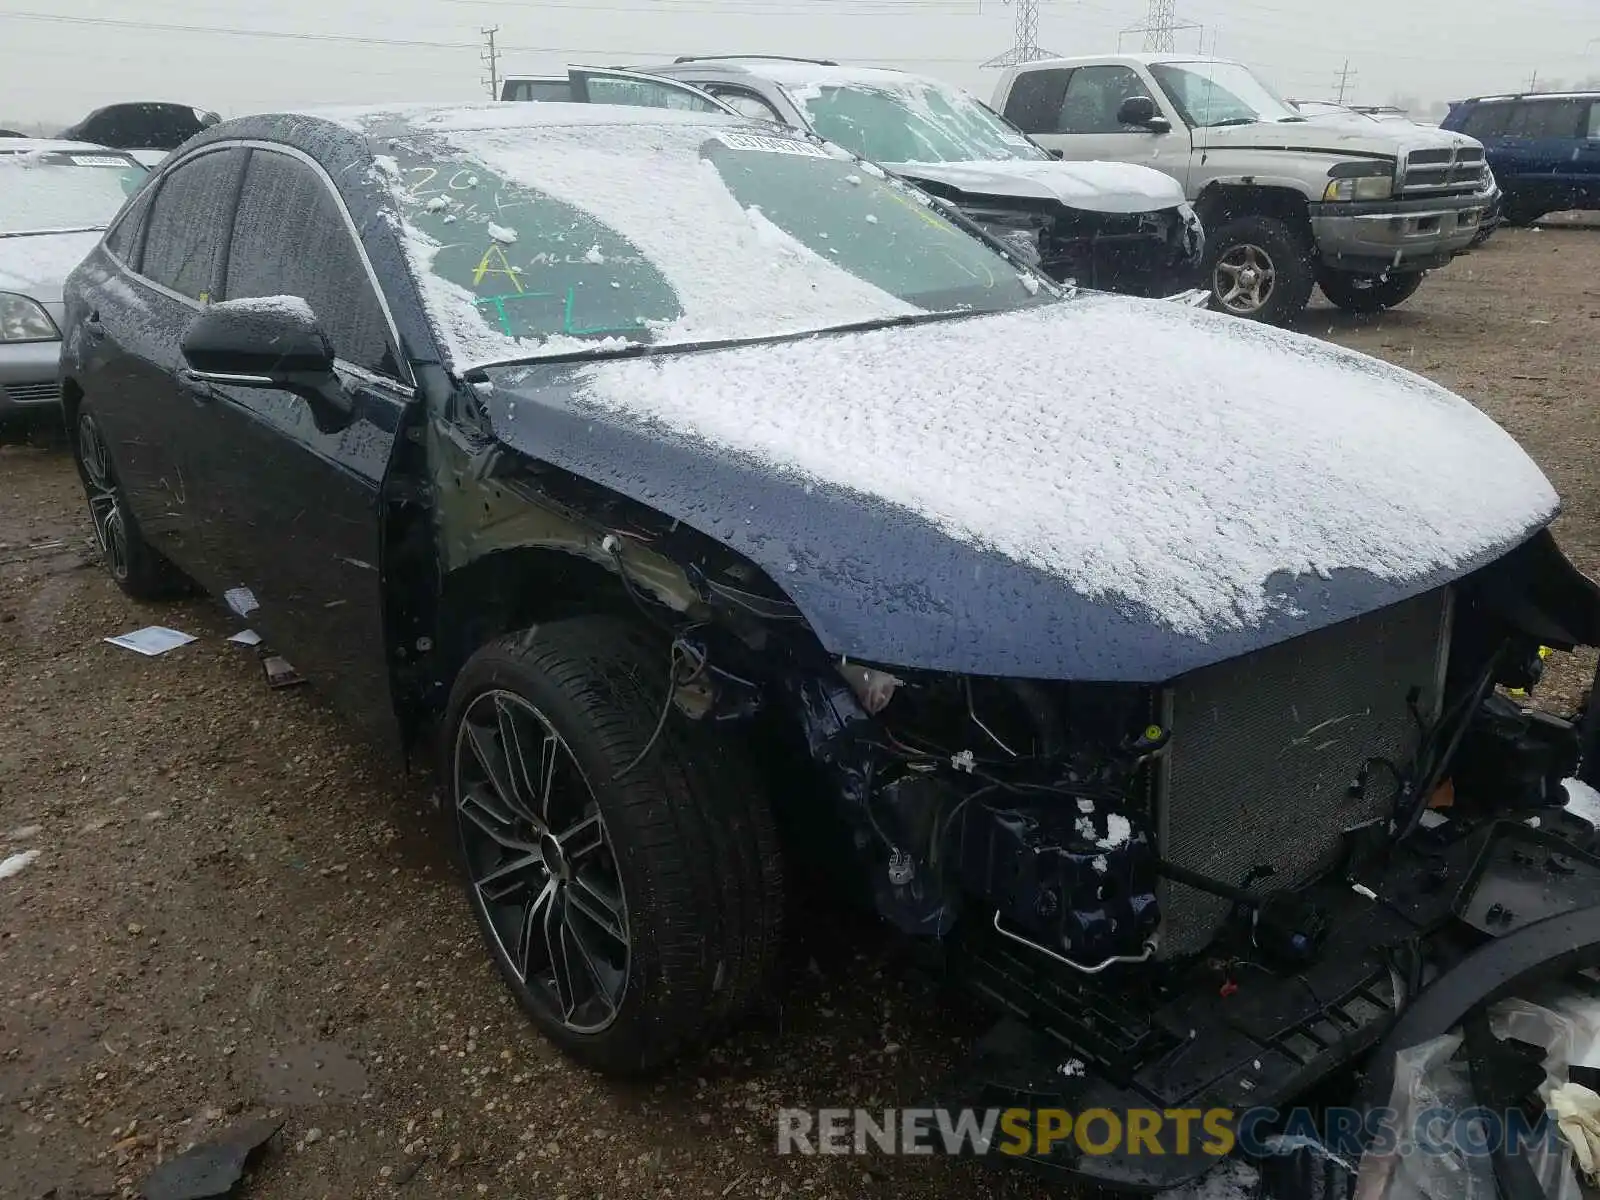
(195,388)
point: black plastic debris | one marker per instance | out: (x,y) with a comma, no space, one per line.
(211,1168)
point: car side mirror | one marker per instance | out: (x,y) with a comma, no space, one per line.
(1141,110)
(1058,153)
(274,342)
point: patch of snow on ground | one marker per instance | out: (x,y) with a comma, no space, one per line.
(1071,1069)
(1582,800)
(1137,450)
(16,862)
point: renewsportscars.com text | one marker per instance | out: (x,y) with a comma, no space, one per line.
(1217,1132)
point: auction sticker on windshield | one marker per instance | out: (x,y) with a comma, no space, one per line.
(771,145)
(97,160)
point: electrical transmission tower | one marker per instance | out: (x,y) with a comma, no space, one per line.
(1025,44)
(491,59)
(1161,26)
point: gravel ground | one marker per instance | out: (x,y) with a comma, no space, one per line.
(236,908)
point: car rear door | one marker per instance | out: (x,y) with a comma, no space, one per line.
(134,325)
(1073,111)
(304,504)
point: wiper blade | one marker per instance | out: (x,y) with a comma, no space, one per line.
(1234,121)
(479,374)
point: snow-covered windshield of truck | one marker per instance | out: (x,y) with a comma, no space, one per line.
(533,241)
(1209,94)
(901,118)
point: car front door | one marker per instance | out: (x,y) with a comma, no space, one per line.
(134,324)
(304,502)
(1073,111)
(1589,158)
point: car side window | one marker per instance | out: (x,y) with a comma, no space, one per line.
(747,104)
(1093,96)
(290,238)
(1547,118)
(1594,119)
(643,93)
(188,224)
(123,238)
(1487,121)
(1035,100)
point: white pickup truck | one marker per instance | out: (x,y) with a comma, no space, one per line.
(1288,204)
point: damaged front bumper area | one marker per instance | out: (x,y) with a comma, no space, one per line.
(1151,254)
(1209,896)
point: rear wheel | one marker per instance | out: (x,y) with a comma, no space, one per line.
(1368,293)
(139,570)
(621,863)
(1260,268)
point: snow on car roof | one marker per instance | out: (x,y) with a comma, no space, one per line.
(387,120)
(53,146)
(809,74)
(1189,463)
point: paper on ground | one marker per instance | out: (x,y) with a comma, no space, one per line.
(246,637)
(10,866)
(242,600)
(152,640)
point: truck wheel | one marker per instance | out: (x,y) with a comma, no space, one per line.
(1259,268)
(1368,293)
(620,860)
(138,569)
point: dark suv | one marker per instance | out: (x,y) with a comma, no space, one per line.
(1544,150)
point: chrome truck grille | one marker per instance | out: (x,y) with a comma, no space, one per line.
(1451,171)
(1264,749)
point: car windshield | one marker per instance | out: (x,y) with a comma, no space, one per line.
(1209,94)
(51,191)
(910,120)
(535,241)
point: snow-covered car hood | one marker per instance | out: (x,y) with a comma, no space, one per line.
(37,264)
(1098,489)
(1360,136)
(1107,187)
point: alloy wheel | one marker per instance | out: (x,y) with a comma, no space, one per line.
(541,862)
(1243,279)
(105,502)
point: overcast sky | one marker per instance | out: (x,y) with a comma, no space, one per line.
(94,52)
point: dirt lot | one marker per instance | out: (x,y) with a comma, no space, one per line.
(237,908)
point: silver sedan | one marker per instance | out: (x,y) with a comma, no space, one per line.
(56,200)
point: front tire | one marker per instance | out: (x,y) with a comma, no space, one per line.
(1260,268)
(634,910)
(1369,293)
(138,568)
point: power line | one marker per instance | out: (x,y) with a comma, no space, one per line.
(1025,41)
(227,31)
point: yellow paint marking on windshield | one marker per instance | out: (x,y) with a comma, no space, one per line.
(922,212)
(505,268)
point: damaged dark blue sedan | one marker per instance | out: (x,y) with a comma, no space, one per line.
(716,504)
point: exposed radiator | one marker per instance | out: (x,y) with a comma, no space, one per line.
(1264,749)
